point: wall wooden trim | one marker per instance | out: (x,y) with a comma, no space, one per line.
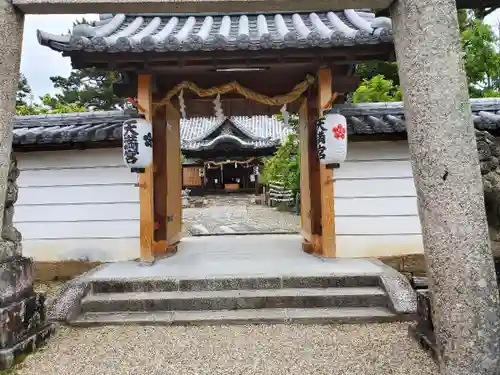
(328,245)
(191,176)
(146,196)
(62,270)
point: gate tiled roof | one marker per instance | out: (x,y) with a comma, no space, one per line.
(162,33)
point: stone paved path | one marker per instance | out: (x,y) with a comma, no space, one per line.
(236,214)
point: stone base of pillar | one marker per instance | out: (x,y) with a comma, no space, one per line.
(23,323)
(423,330)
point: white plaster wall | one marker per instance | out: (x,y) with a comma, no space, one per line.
(376,210)
(79,205)
(83,204)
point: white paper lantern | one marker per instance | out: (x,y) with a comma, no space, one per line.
(137,143)
(331,131)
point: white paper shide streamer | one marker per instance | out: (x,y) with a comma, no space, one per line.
(182,104)
(219,113)
(285,115)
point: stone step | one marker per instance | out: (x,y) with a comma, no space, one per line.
(342,315)
(230,283)
(236,299)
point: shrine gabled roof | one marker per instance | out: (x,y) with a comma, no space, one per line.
(259,131)
(162,33)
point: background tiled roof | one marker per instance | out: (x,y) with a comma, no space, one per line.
(261,131)
(384,118)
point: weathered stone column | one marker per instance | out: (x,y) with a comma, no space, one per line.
(449,188)
(22,311)
(11,39)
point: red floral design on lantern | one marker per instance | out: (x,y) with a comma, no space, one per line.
(339,131)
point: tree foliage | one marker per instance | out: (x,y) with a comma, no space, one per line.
(84,89)
(377,89)
(24,93)
(284,165)
(48,106)
(481,59)
(89,88)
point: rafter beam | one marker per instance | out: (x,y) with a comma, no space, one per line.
(191,6)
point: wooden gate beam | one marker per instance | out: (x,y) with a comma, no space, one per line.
(190,6)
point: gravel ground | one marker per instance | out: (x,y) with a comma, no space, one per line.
(50,289)
(260,349)
(378,349)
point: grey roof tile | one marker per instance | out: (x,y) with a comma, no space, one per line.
(259,131)
(386,118)
(162,33)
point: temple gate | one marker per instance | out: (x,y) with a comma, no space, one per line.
(301,62)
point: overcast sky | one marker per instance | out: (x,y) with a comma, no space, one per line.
(38,63)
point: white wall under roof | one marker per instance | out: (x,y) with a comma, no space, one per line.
(83,204)
(376,210)
(77,205)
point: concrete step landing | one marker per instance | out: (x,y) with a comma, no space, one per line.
(342,315)
(237,300)
(238,279)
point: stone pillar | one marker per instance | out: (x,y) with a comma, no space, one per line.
(448,182)
(11,38)
(22,311)
(23,324)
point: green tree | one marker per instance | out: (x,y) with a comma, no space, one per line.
(284,165)
(481,59)
(90,88)
(24,93)
(48,105)
(371,69)
(377,89)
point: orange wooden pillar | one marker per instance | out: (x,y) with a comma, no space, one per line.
(146,197)
(310,204)
(174,176)
(328,244)
(160,185)
(316,181)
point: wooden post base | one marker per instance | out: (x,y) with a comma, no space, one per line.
(162,248)
(313,246)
